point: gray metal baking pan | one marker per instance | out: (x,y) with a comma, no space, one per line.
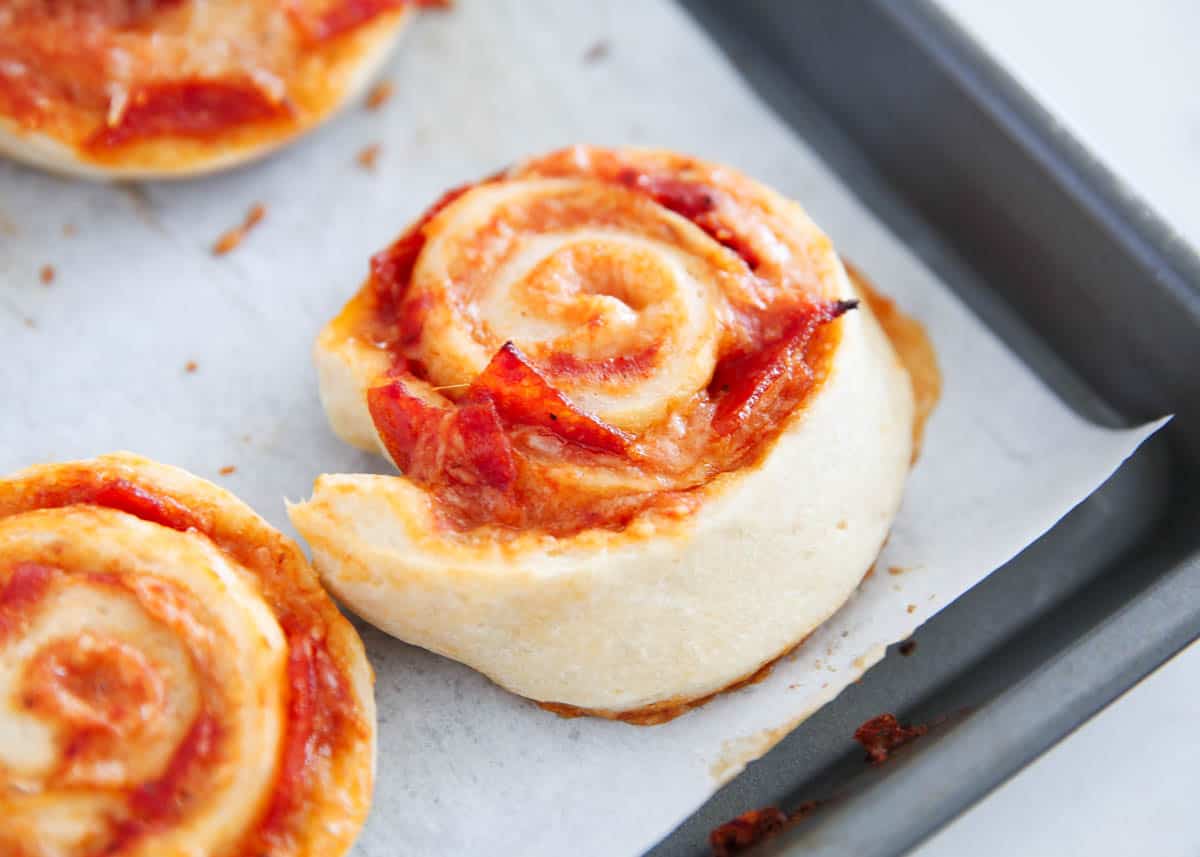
(1100,299)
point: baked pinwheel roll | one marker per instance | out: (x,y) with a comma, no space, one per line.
(649,436)
(173,679)
(160,88)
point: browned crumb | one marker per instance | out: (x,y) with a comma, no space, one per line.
(368,156)
(599,50)
(883,734)
(191,366)
(29,322)
(751,828)
(231,239)
(70,230)
(841,525)
(46,275)
(912,608)
(227,470)
(896,569)
(380,94)
(907,647)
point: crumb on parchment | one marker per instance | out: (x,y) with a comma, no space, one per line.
(231,239)
(47,274)
(368,157)
(380,94)
(227,470)
(599,50)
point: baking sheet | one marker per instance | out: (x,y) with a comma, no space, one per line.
(96,361)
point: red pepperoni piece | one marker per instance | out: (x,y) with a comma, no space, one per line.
(188,108)
(746,382)
(524,396)
(466,443)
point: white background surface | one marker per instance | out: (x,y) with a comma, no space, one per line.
(1122,77)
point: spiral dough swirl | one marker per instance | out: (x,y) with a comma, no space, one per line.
(172,680)
(587,336)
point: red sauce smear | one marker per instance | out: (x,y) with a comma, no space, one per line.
(188,108)
(696,201)
(124,496)
(315,717)
(565,364)
(24,588)
(157,804)
(883,734)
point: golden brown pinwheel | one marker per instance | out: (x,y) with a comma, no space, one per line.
(649,436)
(161,88)
(173,679)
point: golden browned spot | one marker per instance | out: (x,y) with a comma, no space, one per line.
(46,275)
(191,366)
(895,570)
(227,470)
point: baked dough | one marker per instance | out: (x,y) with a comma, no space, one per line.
(169,88)
(173,679)
(722,482)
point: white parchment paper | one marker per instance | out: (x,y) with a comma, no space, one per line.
(96,362)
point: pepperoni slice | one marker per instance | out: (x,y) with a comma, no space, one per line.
(749,381)
(524,396)
(188,108)
(467,443)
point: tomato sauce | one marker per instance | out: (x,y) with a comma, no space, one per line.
(198,108)
(26,585)
(122,495)
(318,712)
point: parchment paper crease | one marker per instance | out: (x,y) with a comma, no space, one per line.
(95,362)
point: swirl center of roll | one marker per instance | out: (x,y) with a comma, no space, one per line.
(615,299)
(98,683)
